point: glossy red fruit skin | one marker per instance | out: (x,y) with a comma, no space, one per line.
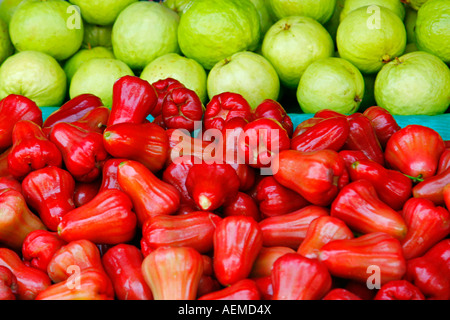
(85,192)
(245,289)
(73,110)
(83,151)
(430,272)
(17,220)
(133,100)
(30,281)
(399,290)
(272,109)
(181,109)
(106,219)
(31,150)
(4,170)
(351,156)
(237,242)
(262,267)
(147,143)
(176,174)
(321,231)
(14,108)
(383,122)
(447,196)
(93,285)
(10,182)
(123,264)
(212,185)
(95,120)
(109,174)
(392,187)
(243,204)
(290,229)
(317,176)
(173,273)
(359,206)
(444,161)
(39,247)
(415,150)
(427,225)
(295,277)
(362,137)
(340,294)
(195,230)
(274,199)
(73,257)
(163,87)
(50,192)
(224,107)
(433,188)
(262,140)
(150,195)
(8,284)
(331,133)
(350,259)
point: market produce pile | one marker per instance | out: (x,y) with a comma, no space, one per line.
(171,168)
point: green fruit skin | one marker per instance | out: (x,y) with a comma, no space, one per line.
(7,9)
(179,6)
(369,46)
(144,31)
(292,44)
(433,28)
(101,12)
(46,26)
(34,75)
(396,6)
(97,36)
(265,18)
(172,65)
(6,47)
(97,76)
(331,83)
(74,63)
(212,30)
(417,83)
(246,73)
(320,10)
(416,4)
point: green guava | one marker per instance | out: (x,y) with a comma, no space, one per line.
(212,30)
(7,9)
(6,47)
(410,24)
(265,17)
(411,47)
(97,76)
(35,75)
(319,10)
(331,83)
(83,55)
(179,6)
(416,83)
(97,36)
(433,28)
(101,12)
(246,73)
(370,37)
(292,43)
(51,26)
(172,65)
(144,31)
(396,6)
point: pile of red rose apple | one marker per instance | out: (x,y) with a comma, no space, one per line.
(96,204)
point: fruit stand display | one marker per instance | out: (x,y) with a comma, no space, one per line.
(224,150)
